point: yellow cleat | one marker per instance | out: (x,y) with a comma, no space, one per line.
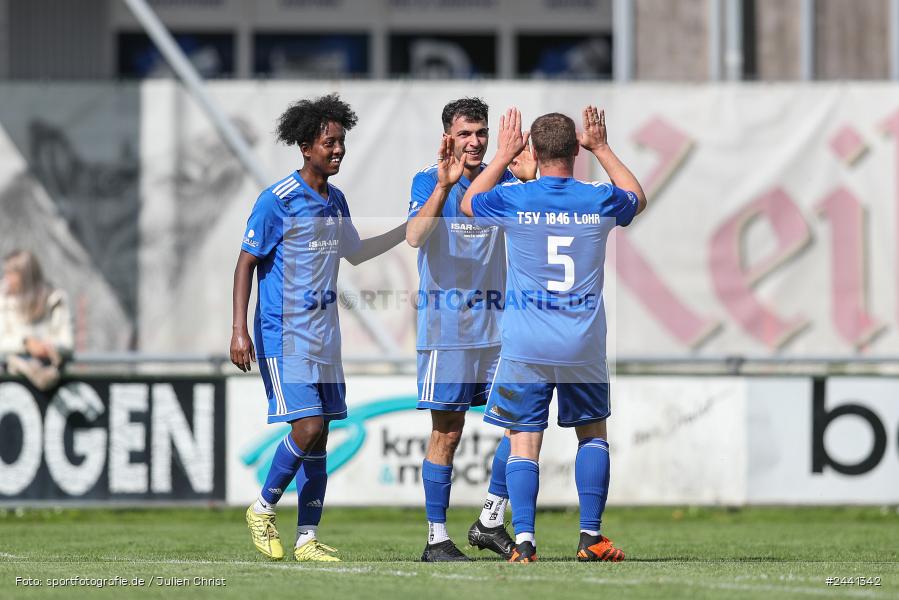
(313,550)
(264,534)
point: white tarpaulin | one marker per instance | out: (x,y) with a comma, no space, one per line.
(772,228)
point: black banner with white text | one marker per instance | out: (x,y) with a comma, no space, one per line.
(131,439)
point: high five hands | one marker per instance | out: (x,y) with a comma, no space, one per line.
(593,137)
(449,166)
(524,166)
(512,142)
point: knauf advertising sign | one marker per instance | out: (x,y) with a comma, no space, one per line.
(374,456)
(659,425)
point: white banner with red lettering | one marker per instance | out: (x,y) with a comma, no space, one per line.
(772,230)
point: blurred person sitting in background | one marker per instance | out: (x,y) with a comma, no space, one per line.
(35,324)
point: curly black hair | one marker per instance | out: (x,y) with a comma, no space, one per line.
(304,121)
(472,109)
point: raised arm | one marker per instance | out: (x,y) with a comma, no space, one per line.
(594,138)
(449,171)
(511,143)
(242,352)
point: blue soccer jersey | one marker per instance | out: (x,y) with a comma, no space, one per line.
(462,273)
(556,230)
(299,238)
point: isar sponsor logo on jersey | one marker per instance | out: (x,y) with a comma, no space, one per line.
(324,246)
(471,230)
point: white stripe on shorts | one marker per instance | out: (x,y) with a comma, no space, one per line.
(424,381)
(276,386)
(495,371)
(429,374)
(433,378)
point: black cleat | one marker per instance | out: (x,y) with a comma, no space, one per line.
(495,539)
(525,552)
(445,551)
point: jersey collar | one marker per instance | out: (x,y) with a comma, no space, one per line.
(312,193)
(552,180)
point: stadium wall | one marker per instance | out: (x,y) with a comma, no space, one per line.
(772,229)
(674,440)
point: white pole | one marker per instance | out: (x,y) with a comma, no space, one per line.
(807,40)
(733,57)
(714,40)
(194,84)
(894,40)
(623,39)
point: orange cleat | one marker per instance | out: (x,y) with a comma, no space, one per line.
(597,547)
(525,552)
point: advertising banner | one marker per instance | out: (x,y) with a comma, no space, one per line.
(133,440)
(823,441)
(765,206)
(374,456)
(673,440)
(660,433)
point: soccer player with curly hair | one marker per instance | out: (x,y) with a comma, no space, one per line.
(299,229)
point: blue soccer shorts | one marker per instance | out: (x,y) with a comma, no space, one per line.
(520,395)
(455,380)
(298,387)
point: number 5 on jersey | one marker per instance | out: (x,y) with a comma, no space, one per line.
(553,243)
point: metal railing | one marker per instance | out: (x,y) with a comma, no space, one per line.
(146,363)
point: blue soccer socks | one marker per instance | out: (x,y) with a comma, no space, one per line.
(498,471)
(285,464)
(437,483)
(312,481)
(523,481)
(493,514)
(591,474)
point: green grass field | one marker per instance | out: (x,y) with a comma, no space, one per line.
(672,552)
